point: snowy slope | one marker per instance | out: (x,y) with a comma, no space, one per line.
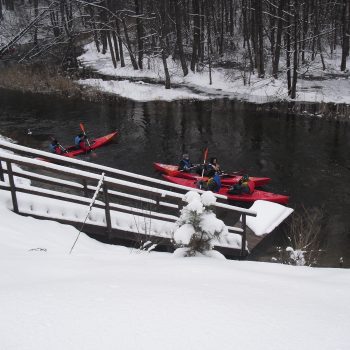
(108,297)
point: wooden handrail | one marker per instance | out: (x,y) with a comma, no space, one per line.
(85,183)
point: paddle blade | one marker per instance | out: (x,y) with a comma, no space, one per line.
(205,154)
(82,127)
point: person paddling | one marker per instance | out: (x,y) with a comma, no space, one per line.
(185,163)
(245,185)
(55,147)
(79,141)
(213,165)
(212,184)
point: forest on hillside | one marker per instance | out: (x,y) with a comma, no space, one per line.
(279,38)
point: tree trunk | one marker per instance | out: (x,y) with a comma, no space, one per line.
(276,60)
(111,48)
(115,44)
(128,45)
(166,70)
(295,53)
(246,34)
(196,34)
(207,14)
(120,43)
(260,53)
(346,34)
(305,29)
(139,31)
(178,20)
(287,38)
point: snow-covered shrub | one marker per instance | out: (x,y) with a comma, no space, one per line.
(198,228)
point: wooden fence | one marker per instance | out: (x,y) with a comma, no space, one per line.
(74,181)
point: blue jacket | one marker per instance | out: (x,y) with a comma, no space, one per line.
(185,164)
(77,140)
(214,183)
(53,147)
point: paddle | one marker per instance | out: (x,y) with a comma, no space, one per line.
(83,130)
(205,159)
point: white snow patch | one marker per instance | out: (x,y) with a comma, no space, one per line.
(269,216)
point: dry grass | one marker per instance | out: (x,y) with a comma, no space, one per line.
(45,79)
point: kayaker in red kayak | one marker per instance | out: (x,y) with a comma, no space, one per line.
(213,165)
(245,185)
(185,163)
(55,147)
(212,184)
(79,141)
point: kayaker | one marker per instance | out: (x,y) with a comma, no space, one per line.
(245,185)
(185,163)
(80,141)
(213,164)
(55,147)
(212,184)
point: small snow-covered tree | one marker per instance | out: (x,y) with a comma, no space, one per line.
(198,228)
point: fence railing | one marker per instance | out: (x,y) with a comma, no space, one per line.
(75,181)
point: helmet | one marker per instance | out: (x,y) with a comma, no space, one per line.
(185,156)
(245,177)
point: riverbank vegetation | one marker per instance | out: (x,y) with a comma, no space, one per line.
(47,79)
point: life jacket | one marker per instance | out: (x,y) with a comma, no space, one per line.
(214,183)
(248,187)
(185,164)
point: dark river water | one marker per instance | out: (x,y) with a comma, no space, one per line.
(307,158)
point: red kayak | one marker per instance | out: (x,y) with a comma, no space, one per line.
(72,151)
(256,195)
(226,179)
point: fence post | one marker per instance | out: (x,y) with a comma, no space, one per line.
(107,210)
(2,178)
(86,194)
(12,187)
(244,234)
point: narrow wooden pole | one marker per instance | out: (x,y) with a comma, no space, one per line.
(12,187)
(244,235)
(107,210)
(86,194)
(2,178)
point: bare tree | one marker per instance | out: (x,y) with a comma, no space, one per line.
(346,34)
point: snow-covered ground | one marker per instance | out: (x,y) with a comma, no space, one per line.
(226,82)
(110,297)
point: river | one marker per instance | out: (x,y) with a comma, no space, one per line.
(306,157)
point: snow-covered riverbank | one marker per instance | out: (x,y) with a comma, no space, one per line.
(317,86)
(111,297)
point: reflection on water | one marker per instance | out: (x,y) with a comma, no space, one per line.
(306,158)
